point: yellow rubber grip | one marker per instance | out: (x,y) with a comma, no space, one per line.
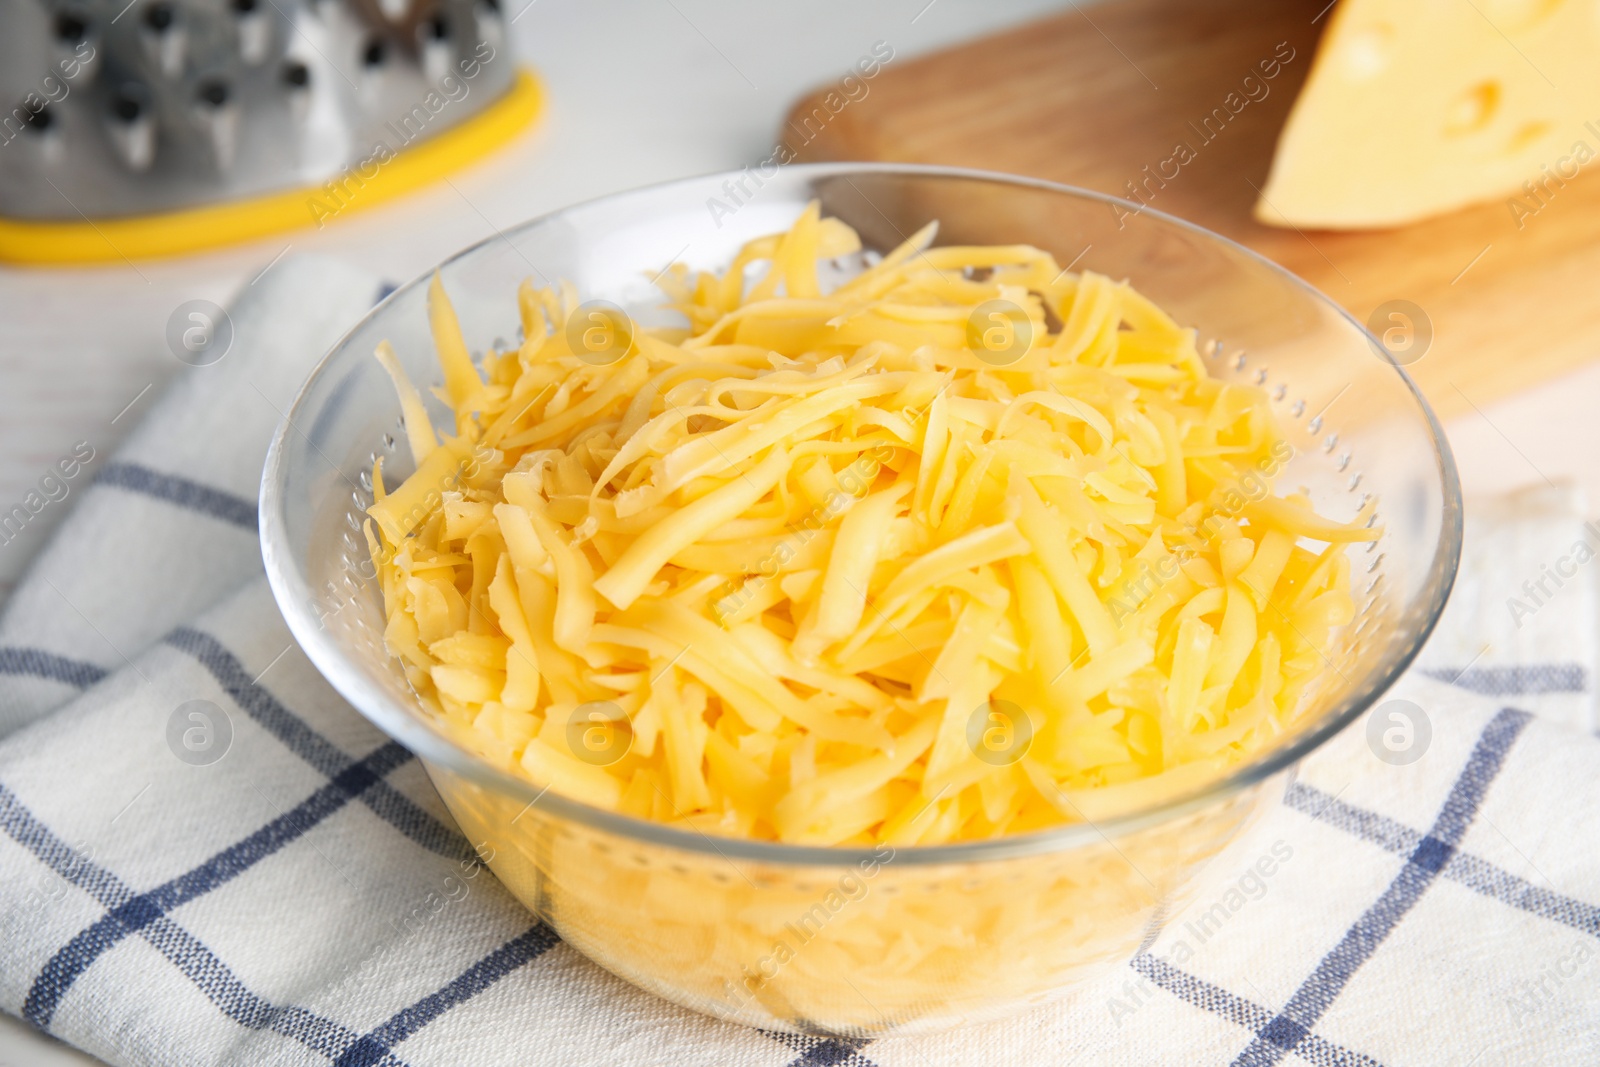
(173,233)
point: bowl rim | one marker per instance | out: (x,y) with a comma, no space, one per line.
(402,724)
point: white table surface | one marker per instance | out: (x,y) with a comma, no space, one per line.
(638,93)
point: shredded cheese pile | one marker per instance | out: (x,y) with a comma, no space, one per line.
(940,554)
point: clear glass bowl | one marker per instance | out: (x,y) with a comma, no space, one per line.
(855,941)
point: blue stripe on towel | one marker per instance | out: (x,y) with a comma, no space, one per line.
(138,912)
(1475,873)
(386,802)
(823,1050)
(373,1048)
(1287,1030)
(191,956)
(832,1052)
(1238,1010)
(37,663)
(1522,680)
(182,492)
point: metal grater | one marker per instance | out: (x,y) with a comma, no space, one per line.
(115,109)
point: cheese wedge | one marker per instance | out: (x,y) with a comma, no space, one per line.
(1414,108)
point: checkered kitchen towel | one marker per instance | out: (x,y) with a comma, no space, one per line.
(1425,898)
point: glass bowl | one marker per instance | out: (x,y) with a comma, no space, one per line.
(858,941)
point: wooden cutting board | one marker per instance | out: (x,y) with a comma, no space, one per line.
(1095,96)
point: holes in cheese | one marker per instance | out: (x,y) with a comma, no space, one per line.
(1473,109)
(826,567)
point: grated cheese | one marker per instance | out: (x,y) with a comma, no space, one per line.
(832,573)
